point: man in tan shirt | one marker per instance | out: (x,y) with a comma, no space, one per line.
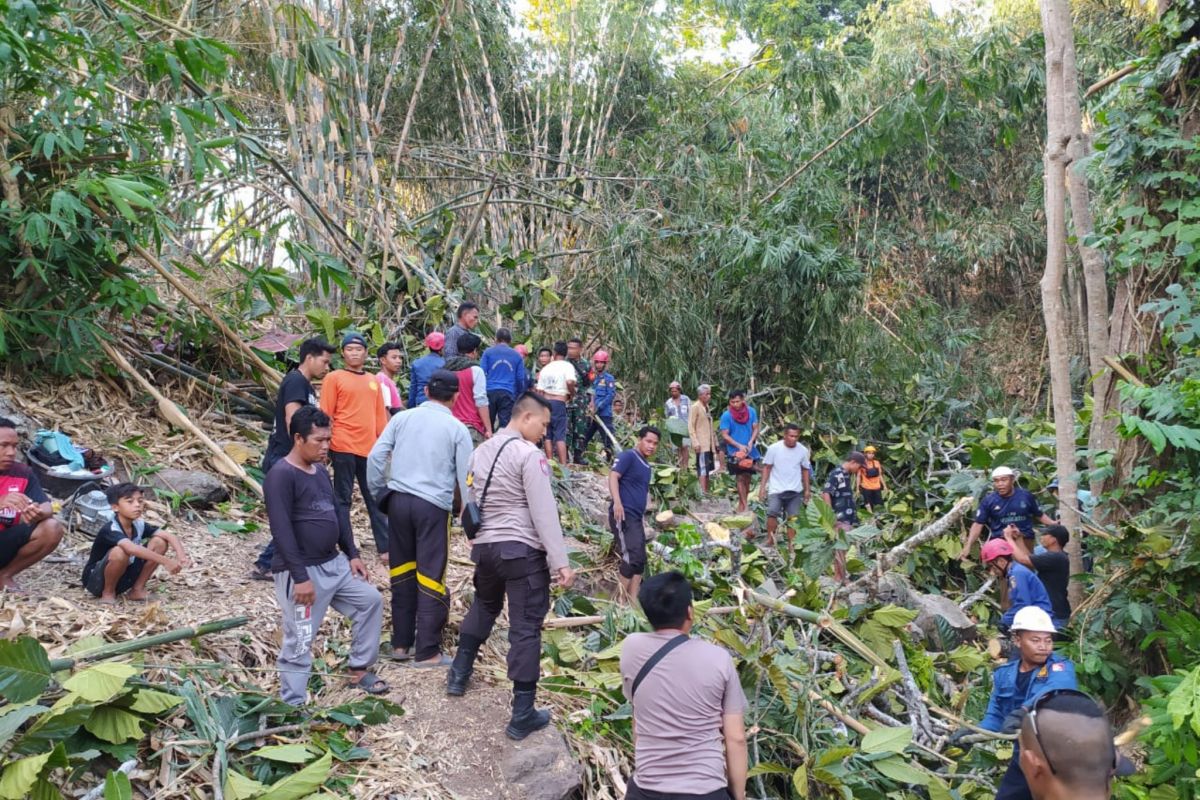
(689,729)
(700,431)
(515,552)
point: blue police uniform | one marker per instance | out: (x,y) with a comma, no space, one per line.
(1025,588)
(1056,673)
(604,391)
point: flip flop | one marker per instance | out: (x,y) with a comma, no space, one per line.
(443,661)
(371,684)
(396,654)
(257,574)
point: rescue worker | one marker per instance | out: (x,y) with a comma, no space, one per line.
(517,550)
(1071,726)
(870,480)
(1025,588)
(1008,505)
(416,488)
(1016,686)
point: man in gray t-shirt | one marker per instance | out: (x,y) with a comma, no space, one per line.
(688,709)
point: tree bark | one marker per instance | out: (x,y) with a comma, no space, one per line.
(1061,82)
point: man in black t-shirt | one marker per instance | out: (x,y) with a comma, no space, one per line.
(295,392)
(1052,565)
(28,530)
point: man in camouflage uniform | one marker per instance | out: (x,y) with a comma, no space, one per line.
(577,408)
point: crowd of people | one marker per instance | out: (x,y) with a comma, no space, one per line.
(474,438)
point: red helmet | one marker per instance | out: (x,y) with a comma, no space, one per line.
(994,548)
(435,340)
(601,355)
(523,350)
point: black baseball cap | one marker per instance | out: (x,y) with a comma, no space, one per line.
(442,380)
(353,338)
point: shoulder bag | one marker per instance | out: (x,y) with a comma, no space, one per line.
(472,516)
(652,662)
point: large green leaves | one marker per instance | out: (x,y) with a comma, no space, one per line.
(886,740)
(302,783)
(19,777)
(101,683)
(114,725)
(24,669)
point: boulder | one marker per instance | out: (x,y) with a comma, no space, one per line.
(930,607)
(543,768)
(197,489)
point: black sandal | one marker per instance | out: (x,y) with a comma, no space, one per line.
(371,684)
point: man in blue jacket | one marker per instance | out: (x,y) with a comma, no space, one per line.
(1025,588)
(504,369)
(424,367)
(604,391)
(1036,670)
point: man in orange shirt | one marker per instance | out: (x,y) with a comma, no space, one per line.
(870,480)
(351,398)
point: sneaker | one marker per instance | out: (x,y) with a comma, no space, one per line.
(258,573)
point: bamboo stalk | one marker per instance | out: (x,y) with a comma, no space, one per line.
(146,642)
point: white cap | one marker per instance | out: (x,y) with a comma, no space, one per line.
(1003,472)
(1034,619)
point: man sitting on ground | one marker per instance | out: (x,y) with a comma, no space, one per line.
(28,530)
(689,723)
(118,561)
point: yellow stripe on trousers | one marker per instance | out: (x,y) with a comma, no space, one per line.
(408,566)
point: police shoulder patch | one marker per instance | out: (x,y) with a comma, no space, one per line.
(544,465)
(1058,667)
(470,479)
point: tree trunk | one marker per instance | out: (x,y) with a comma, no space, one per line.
(1060,82)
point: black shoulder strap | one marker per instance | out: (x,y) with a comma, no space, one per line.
(652,662)
(492,471)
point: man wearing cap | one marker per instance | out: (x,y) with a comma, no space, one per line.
(700,433)
(1035,670)
(471,406)
(871,485)
(468,320)
(577,406)
(604,391)
(838,492)
(351,398)
(504,369)
(1050,562)
(557,382)
(1066,749)
(1023,586)
(678,406)
(1008,505)
(424,367)
(516,551)
(414,468)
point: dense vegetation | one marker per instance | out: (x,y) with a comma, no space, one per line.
(849,219)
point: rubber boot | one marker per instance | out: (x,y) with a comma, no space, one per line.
(525,718)
(460,671)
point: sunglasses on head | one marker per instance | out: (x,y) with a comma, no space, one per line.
(1041,701)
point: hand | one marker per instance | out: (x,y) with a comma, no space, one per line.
(965,554)
(172,566)
(34,513)
(1011,532)
(807,498)
(742,452)
(1012,723)
(618,511)
(185,561)
(358,569)
(762,495)
(487,435)
(957,737)
(15,501)
(304,594)
(565,577)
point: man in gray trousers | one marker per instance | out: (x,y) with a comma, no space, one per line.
(316,563)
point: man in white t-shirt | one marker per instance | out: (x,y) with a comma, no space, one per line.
(787,472)
(556,383)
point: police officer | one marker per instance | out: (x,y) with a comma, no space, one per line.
(1016,686)
(519,546)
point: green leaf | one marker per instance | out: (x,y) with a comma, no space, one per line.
(886,740)
(24,669)
(62,721)
(287,753)
(1181,703)
(900,770)
(117,787)
(101,683)
(19,776)
(114,725)
(45,790)
(800,781)
(894,616)
(239,787)
(302,783)
(938,789)
(148,701)
(767,768)
(14,717)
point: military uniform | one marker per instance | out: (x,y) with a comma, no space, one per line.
(577,409)
(518,547)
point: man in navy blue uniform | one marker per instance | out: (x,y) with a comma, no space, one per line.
(1008,505)
(504,369)
(1016,686)
(1024,587)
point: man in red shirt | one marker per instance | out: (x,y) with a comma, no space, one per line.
(28,530)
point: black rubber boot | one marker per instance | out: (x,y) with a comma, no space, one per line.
(460,671)
(525,718)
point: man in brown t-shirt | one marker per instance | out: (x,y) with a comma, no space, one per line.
(689,727)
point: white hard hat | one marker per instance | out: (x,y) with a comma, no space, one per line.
(1033,619)
(1003,472)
